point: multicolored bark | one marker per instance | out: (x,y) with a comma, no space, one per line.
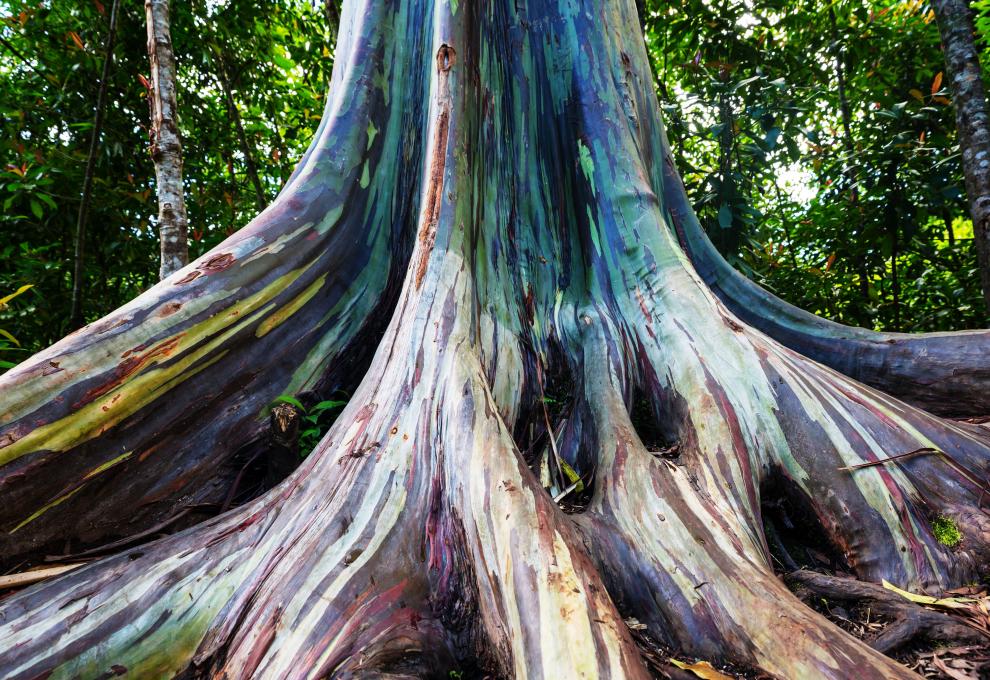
(415,540)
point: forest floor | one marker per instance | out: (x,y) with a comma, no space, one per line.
(963,662)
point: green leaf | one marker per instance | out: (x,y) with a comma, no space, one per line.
(326,405)
(22,289)
(9,337)
(282,62)
(288,399)
(772,136)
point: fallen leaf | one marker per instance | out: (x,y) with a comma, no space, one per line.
(947,602)
(22,289)
(702,669)
(634,624)
(966,672)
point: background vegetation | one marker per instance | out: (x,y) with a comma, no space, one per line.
(845,201)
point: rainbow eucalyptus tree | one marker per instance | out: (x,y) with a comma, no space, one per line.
(488,207)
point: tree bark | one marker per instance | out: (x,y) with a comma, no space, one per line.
(166,145)
(840,81)
(331,14)
(79,259)
(962,60)
(518,147)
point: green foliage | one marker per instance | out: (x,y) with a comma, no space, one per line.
(316,420)
(850,224)
(8,343)
(277,56)
(946,532)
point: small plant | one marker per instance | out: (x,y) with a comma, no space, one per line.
(946,532)
(8,343)
(315,420)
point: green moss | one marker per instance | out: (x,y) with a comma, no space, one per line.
(946,532)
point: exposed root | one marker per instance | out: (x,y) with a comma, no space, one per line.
(909,621)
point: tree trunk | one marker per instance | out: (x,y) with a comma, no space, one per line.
(962,60)
(79,259)
(517,148)
(166,146)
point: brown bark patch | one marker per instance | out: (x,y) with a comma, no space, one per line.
(218,263)
(445,58)
(170,308)
(434,194)
(191,276)
(127,368)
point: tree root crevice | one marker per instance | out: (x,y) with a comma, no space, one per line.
(909,621)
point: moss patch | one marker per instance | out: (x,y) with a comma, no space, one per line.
(946,532)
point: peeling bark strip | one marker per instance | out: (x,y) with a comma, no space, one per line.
(530,184)
(438,163)
(962,60)
(166,146)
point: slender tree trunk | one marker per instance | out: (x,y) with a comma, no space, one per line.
(727,236)
(79,259)
(848,141)
(331,14)
(895,288)
(962,62)
(492,177)
(223,77)
(840,80)
(166,145)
